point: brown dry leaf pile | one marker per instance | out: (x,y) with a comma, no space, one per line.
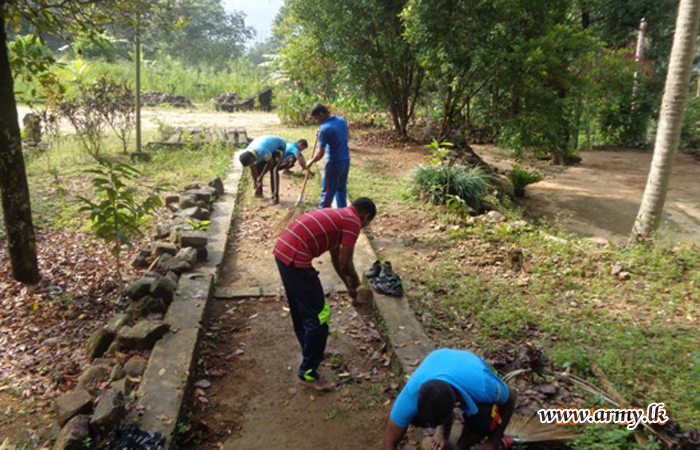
(44,328)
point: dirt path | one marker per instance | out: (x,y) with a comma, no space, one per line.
(601,196)
(251,357)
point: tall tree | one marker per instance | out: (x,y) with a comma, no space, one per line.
(366,40)
(57,17)
(16,206)
(459,44)
(670,119)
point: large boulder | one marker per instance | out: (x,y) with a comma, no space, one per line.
(109,412)
(73,434)
(142,336)
(141,260)
(71,404)
(99,342)
(139,288)
(164,288)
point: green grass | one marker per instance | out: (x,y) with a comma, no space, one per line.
(641,332)
(58,175)
(199,84)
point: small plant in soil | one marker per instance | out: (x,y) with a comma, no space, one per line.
(521,177)
(117,212)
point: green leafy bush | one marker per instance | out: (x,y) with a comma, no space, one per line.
(293,106)
(438,184)
(521,177)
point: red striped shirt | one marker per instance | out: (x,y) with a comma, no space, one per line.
(316,232)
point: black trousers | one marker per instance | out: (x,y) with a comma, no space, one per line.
(310,314)
(274,175)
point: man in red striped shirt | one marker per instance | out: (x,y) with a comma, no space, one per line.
(308,237)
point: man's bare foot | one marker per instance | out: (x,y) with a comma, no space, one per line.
(320,385)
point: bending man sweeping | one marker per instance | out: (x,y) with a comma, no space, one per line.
(262,155)
(308,237)
(447,379)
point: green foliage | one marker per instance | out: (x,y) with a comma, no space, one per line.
(117,212)
(521,177)
(690,133)
(166,74)
(438,152)
(437,184)
(460,45)
(294,106)
(545,86)
(96,46)
(205,35)
(199,225)
(365,42)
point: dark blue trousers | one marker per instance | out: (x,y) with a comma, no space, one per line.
(310,314)
(335,184)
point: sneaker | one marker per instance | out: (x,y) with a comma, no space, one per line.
(374,270)
(320,385)
(388,285)
(387,269)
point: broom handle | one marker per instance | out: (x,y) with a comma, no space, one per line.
(308,171)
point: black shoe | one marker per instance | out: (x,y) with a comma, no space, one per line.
(374,270)
(388,285)
(386,269)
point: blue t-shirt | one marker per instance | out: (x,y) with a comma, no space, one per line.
(264,146)
(291,151)
(333,136)
(464,371)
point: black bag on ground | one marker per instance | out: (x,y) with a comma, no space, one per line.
(132,437)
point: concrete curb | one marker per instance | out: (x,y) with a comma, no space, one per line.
(405,336)
(164,387)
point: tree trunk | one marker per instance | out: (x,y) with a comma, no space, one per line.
(670,119)
(17,210)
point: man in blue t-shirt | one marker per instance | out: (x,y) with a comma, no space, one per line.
(292,154)
(332,138)
(262,155)
(445,379)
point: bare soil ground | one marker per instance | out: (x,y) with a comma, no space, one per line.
(601,195)
(251,357)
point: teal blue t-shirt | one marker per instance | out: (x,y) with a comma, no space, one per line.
(464,371)
(291,151)
(264,146)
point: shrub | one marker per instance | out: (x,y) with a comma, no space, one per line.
(294,106)
(521,177)
(437,184)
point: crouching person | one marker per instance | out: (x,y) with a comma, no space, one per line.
(447,379)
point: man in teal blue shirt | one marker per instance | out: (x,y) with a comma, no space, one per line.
(445,379)
(262,155)
(292,154)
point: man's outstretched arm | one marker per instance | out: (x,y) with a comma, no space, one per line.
(393,435)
